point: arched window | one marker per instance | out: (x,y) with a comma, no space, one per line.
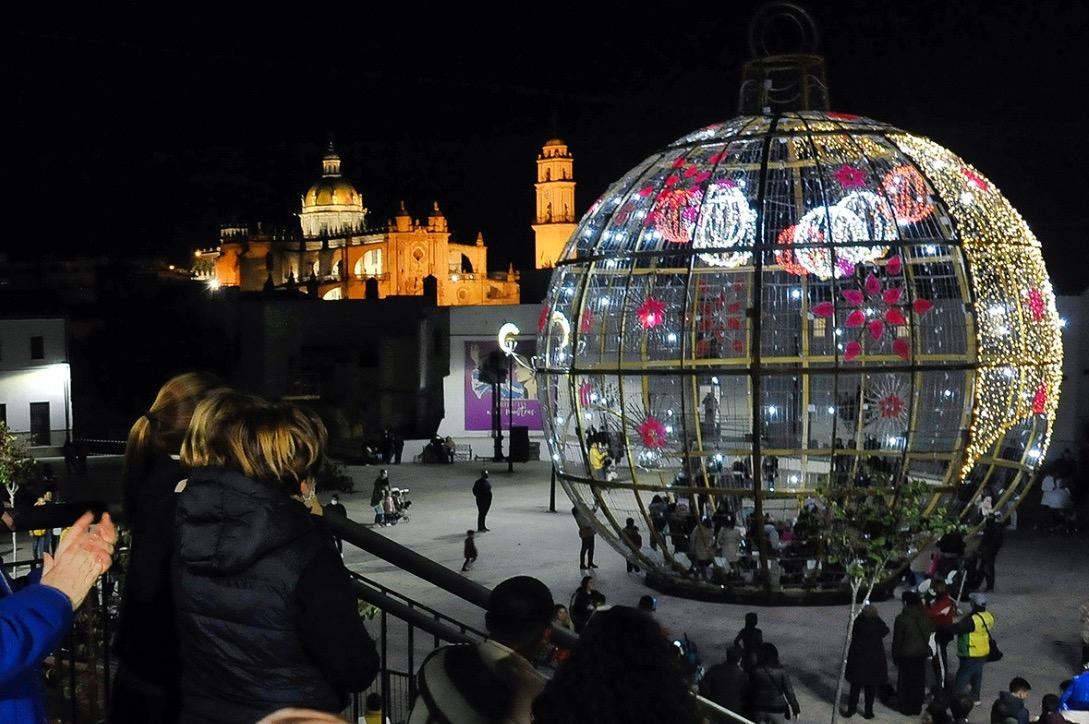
(548,174)
(466,265)
(370,264)
(334,293)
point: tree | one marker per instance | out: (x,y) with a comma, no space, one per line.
(16,467)
(873,532)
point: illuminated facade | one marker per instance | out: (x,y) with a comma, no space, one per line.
(555,219)
(338,254)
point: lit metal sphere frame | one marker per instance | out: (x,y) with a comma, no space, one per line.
(778,303)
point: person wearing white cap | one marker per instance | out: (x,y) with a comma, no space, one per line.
(973,634)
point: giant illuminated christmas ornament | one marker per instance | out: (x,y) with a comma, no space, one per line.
(786,300)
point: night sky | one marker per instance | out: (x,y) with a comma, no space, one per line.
(140,132)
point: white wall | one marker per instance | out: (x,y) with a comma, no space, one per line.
(24,380)
(478,323)
(1072,420)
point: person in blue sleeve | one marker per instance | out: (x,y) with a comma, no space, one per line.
(35,616)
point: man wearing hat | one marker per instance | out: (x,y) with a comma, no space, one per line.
(973,634)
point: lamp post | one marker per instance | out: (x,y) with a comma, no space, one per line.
(507,342)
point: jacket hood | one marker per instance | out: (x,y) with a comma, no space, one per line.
(226,521)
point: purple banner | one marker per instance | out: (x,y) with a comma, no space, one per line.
(521,395)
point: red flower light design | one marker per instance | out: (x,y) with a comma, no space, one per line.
(652,432)
(1036,305)
(893,316)
(651,313)
(543,319)
(975,179)
(842,116)
(1039,400)
(891,406)
(718,157)
(850,177)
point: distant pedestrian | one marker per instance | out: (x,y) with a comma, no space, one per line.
(584,601)
(398,448)
(973,634)
(373,714)
(942,612)
(387,447)
(1010,705)
(990,543)
(701,550)
(634,540)
(378,496)
(470,550)
(750,639)
(1049,711)
(336,509)
(586,539)
(482,491)
(772,692)
(657,510)
(910,649)
(41,536)
(867,668)
(727,684)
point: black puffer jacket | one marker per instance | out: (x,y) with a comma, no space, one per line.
(266,615)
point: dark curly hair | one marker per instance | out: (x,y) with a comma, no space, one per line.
(624,670)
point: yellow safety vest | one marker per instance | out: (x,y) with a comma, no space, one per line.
(976,644)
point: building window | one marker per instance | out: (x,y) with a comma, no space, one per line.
(4,414)
(370,264)
(39,423)
(37,348)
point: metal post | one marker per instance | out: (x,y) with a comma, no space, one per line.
(510,413)
(552,492)
(385,663)
(411,662)
(106,637)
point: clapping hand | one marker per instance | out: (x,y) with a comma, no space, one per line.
(82,556)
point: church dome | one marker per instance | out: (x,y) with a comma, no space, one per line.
(331,191)
(331,205)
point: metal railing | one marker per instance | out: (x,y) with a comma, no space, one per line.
(78,674)
(416,615)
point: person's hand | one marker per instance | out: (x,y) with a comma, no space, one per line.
(81,558)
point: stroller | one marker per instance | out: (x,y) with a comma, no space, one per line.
(400,506)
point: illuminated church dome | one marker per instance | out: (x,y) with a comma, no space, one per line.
(789,301)
(332,205)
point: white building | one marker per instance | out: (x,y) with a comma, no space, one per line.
(35,380)
(1071,429)
(467,401)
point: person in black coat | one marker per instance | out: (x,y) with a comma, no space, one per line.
(145,689)
(482,491)
(266,613)
(727,684)
(336,509)
(910,649)
(990,542)
(867,668)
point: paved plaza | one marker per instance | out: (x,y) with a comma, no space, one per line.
(1040,582)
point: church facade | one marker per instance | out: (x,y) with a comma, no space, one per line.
(337,254)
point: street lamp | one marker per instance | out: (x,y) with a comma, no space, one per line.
(507,339)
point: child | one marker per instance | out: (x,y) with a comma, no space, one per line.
(470,550)
(373,715)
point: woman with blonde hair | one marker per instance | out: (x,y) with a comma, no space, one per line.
(267,615)
(145,689)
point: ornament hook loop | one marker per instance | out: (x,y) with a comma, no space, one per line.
(777,25)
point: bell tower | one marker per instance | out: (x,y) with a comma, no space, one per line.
(555,221)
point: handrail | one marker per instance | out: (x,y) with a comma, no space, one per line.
(709,708)
(408,560)
(407,613)
(415,605)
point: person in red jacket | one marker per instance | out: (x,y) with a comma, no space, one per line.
(942,611)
